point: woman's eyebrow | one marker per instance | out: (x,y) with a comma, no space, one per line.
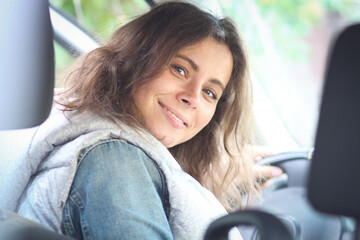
(191,62)
(218,83)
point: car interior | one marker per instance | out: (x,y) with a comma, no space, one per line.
(332,175)
(316,199)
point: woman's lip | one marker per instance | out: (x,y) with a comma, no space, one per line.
(175,118)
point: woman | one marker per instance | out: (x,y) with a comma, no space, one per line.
(168,85)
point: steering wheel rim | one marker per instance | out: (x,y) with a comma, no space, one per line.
(287,197)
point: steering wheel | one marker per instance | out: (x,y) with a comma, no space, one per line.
(295,166)
(286,199)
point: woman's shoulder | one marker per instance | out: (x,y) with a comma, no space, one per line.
(124,163)
(121,155)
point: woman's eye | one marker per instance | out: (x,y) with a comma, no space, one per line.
(180,70)
(210,94)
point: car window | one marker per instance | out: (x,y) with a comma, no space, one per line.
(287,44)
(98,18)
(63,59)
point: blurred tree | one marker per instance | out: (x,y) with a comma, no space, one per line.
(287,22)
(102,16)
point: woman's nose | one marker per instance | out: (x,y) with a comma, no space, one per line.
(190,97)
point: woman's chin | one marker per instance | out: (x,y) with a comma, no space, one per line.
(167,141)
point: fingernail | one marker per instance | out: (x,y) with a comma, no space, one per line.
(276,172)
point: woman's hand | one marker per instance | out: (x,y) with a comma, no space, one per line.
(264,174)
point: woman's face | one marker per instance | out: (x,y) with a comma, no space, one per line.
(181,101)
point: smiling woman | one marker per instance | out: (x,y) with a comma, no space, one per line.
(181,101)
(146,125)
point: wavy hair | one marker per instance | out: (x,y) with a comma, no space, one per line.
(104,81)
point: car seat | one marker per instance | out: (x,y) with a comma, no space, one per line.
(26,91)
(334,173)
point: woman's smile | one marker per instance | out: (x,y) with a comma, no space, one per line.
(175,119)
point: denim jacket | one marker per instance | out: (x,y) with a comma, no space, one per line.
(52,164)
(118,193)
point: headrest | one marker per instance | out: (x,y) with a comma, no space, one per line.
(335,171)
(26,63)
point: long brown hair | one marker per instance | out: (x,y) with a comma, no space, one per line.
(105,80)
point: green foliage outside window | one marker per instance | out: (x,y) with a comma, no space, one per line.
(271,26)
(102,16)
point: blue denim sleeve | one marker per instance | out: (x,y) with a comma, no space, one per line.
(118,193)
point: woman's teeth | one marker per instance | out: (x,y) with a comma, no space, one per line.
(178,119)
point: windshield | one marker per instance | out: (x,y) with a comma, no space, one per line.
(288,43)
